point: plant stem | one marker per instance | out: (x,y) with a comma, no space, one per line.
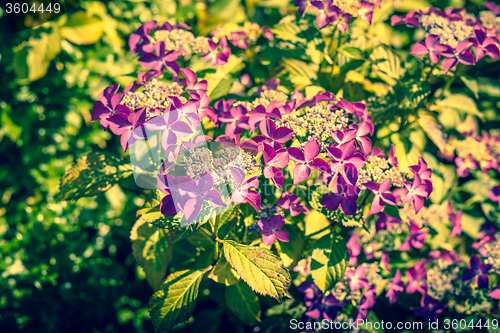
(339,41)
(216,234)
(430,73)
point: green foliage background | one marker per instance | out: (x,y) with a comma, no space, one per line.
(69,266)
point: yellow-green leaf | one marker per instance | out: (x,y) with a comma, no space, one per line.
(329,260)
(93,174)
(241,299)
(150,249)
(175,301)
(82,28)
(259,268)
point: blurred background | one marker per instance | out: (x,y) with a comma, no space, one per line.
(66,266)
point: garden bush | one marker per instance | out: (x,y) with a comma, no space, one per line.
(264,166)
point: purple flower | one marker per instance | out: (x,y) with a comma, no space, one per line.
(130,127)
(302,5)
(395,287)
(456,220)
(325,10)
(495,293)
(347,160)
(478,271)
(243,193)
(236,120)
(429,308)
(267,33)
(274,136)
(271,230)
(312,292)
(460,54)
(416,277)
(161,59)
(261,113)
(343,195)
(109,105)
(492,7)
(340,20)
(274,160)
(142,35)
(354,249)
(424,173)
(307,160)
(415,238)
(431,47)
(381,195)
(331,307)
(357,278)
(365,11)
(367,302)
(291,201)
(464,165)
(484,45)
(171,126)
(494,194)
(197,192)
(384,262)
(239,39)
(190,82)
(216,57)
(392,158)
(416,192)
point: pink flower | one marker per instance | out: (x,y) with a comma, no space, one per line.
(381,195)
(271,230)
(357,278)
(416,192)
(431,47)
(395,287)
(415,238)
(161,59)
(461,54)
(243,192)
(307,160)
(291,201)
(456,220)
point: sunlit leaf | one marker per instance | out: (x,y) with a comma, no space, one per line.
(93,174)
(175,301)
(329,260)
(243,301)
(150,249)
(259,268)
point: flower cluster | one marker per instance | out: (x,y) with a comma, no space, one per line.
(242,36)
(160,45)
(476,152)
(339,13)
(452,34)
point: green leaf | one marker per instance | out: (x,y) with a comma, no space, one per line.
(471,83)
(433,129)
(460,103)
(241,299)
(329,260)
(299,73)
(32,58)
(351,52)
(291,252)
(175,301)
(93,174)
(150,249)
(288,30)
(82,28)
(224,273)
(489,87)
(387,64)
(414,94)
(392,211)
(257,266)
(226,221)
(220,82)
